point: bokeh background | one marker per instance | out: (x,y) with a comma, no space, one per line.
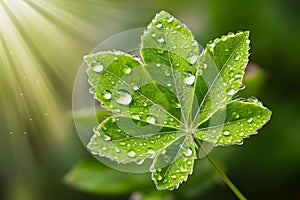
(42,43)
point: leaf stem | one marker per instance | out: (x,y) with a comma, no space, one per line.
(228,182)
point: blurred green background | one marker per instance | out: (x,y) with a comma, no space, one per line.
(42,43)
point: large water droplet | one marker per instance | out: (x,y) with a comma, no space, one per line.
(97,67)
(248,41)
(106,94)
(131,154)
(150,119)
(123,97)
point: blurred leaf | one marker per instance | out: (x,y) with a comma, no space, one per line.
(92,176)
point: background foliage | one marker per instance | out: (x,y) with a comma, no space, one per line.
(41,47)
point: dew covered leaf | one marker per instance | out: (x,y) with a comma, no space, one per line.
(161,104)
(242,120)
(220,71)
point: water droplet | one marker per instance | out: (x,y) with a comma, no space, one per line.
(158,177)
(11,132)
(177,105)
(248,41)
(136,117)
(117,53)
(163,151)
(21,94)
(237,57)
(167,73)
(183,169)
(150,119)
(193,60)
(169,84)
(104,148)
(236,115)
(151,152)
(97,67)
(224,38)
(173,176)
(231,92)
(188,153)
(178,26)
(25,132)
(190,78)
(204,66)
(160,40)
(158,65)
(131,154)
(160,51)
(170,19)
(250,120)
(159,25)
(238,76)
(106,94)
(123,97)
(212,45)
(127,70)
(252,99)
(135,88)
(230,34)
(139,162)
(107,138)
(226,133)
(122,143)
(241,134)
(153,35)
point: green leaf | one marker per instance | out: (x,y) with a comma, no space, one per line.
(90,175)
(242,120)
(161,105)
(220,71)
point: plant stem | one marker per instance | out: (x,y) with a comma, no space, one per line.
(221,173)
